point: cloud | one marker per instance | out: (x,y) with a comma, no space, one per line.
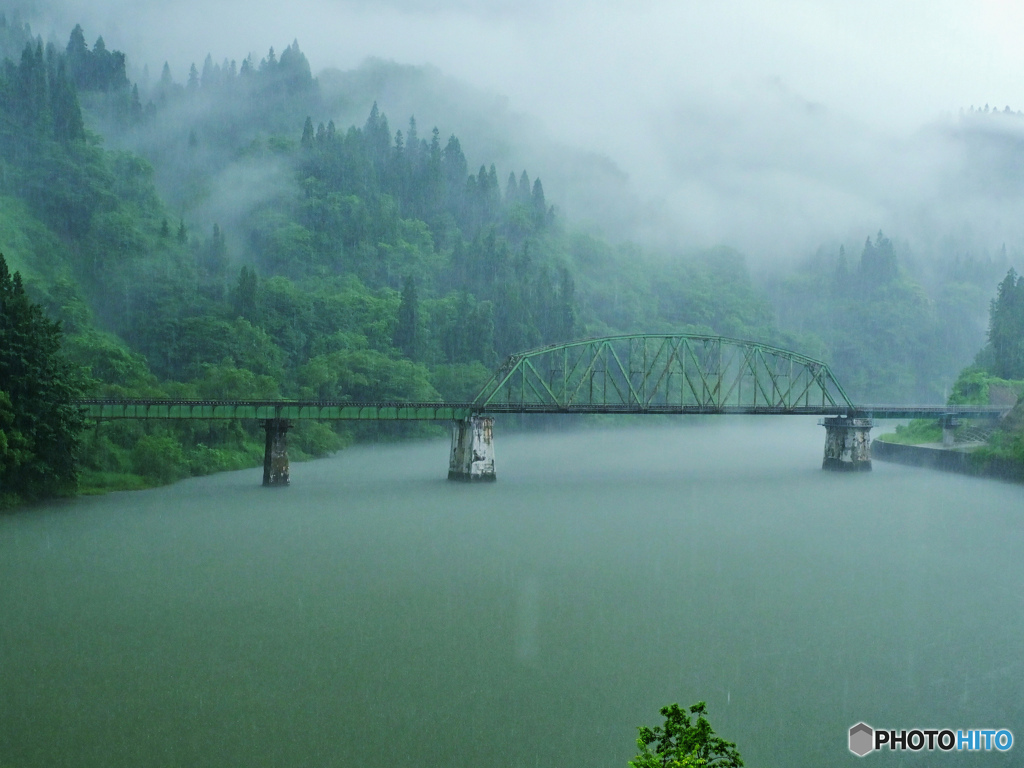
(769,126)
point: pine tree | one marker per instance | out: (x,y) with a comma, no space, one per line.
(567,315)
(878,261)
(412,143)
(208,79)
(378,136)
(77,55)
(293,69)
(135,109)
(1006,328)
(68,124)
(454,171)
(540,207)
(307,133)
(511,189)
(243,296)
(407,333)
(524,189)
(39,423)
(215,257)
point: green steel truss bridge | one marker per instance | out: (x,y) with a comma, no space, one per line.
(636,374)
(631,374)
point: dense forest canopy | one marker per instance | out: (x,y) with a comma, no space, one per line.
(222,237)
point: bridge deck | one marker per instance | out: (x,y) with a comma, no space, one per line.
(312,410)
(295,410)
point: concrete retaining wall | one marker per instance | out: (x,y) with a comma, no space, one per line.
(945,460)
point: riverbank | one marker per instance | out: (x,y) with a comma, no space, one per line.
(973,460)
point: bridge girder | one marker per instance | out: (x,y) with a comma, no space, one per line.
(663,373)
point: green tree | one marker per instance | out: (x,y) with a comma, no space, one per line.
(243,296)
(39,423)
(307,133)
(682,743)
(159,459)
(1006,328)
(407,330)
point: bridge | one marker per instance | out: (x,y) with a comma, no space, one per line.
(682,374)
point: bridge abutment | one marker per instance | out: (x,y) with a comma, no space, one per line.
(472,456)
(847,444)
(275,455)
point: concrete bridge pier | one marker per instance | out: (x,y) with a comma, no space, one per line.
(949,424)
(847,443)
(472,456)
(275,456)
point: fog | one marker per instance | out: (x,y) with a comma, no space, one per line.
(768,127)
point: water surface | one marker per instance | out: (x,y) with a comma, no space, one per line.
(375,614)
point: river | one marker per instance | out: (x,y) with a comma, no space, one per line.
(374,614)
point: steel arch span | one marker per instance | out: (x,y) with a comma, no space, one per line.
(662,373)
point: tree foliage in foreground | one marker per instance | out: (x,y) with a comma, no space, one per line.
(684,743)
(39,425)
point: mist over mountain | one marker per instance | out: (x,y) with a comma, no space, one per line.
(769,130)
(254,221)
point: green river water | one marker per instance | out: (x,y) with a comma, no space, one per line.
(374,614)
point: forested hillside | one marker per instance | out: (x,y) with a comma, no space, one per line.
(221,237)
(997,378)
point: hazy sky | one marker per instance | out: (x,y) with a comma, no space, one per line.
(736,120)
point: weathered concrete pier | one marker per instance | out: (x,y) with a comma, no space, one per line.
(847,444)
(472,456)
(949,423)
(275,455)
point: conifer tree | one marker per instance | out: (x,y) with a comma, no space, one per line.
(307,133)
(77,53)
(511,189)
(407,335)
(540,206)
(207,78)
(39,423)
(1006,328)
(243,296)
(524,189)
(412,142)
(68,124)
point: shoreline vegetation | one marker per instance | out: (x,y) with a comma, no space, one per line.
(363,263)
(979,448)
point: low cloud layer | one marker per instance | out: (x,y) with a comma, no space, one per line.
(772,127)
